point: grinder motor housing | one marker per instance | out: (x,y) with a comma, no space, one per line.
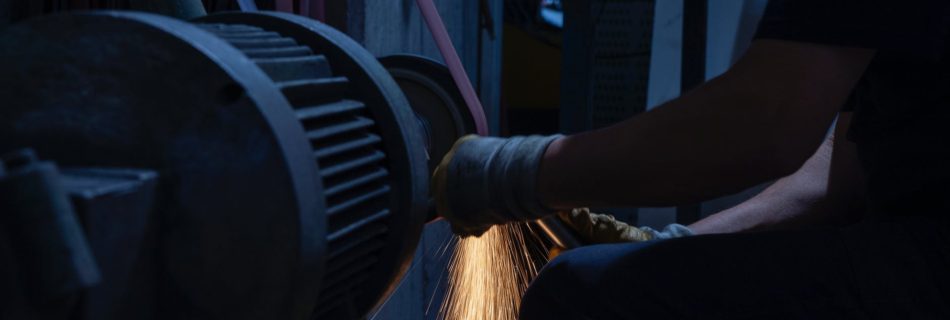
(240,166)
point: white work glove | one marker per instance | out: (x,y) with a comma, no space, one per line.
(595,228)
(486,181)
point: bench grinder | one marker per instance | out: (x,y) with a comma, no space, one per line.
(239,166)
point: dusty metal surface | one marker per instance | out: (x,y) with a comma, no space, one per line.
(144,91)
(291,177)
(47,259)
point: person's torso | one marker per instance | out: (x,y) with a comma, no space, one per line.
(902,128)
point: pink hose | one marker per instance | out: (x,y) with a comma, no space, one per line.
(444,42)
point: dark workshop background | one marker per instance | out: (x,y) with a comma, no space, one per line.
(519,72)
(395,26)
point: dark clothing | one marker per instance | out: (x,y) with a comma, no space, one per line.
(894,265)
(907,27)
(902,104)
(867,271)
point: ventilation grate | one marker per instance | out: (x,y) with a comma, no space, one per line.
(347,147)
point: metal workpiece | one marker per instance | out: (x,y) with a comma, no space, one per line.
(278,169)
(559,234)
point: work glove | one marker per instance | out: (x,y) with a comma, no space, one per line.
(486,181)
(595,228)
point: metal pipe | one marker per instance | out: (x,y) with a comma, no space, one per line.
(558,233)
(182,9)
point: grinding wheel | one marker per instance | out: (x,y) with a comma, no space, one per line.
(435,99)
(293,184)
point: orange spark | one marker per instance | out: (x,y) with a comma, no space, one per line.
(488,275)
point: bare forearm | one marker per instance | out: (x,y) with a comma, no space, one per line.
(827,190)
(729,134)
(796,200)
(697,147)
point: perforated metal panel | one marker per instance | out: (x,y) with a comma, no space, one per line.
(607,48)
(622,39)
(607,62)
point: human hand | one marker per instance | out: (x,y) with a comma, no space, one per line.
(595,228)
(486,181)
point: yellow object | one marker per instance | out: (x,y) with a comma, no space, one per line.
(555,251)
(602,228)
